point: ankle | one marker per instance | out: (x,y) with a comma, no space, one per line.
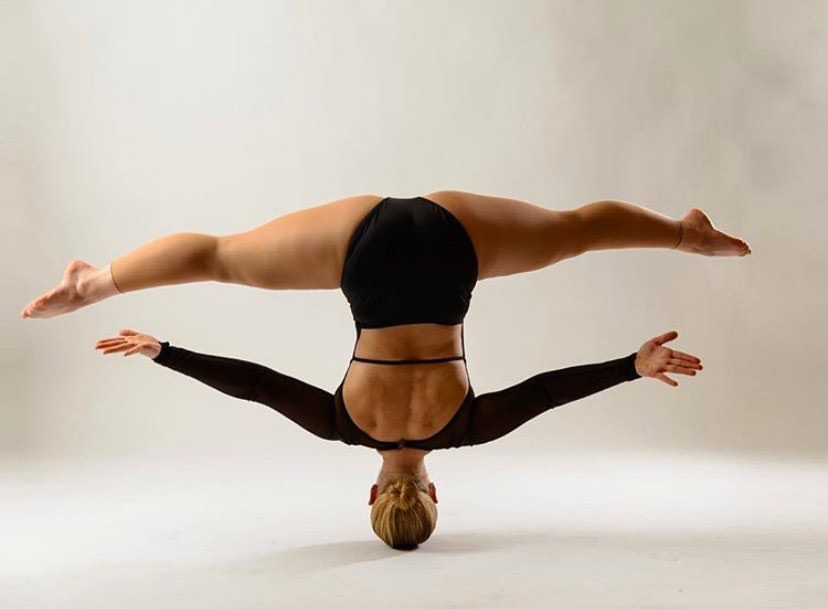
(109,280)
(98,284)
(691,239)
(681,235)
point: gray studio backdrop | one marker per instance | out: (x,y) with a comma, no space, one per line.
(125,121)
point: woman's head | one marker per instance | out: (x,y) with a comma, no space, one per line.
(404,514)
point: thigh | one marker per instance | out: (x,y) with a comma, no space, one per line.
(304,249)
(512,236)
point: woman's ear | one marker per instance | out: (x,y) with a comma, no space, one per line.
(373,497)
(432,490)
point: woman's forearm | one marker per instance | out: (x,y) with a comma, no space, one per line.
(234,377)
(309,406)
(497,413)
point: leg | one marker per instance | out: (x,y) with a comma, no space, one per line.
(618,224)
(512,236)
(304,249)
(168,260)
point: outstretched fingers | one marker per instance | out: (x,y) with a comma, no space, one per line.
(686,363)
(666,379)
(114,346)
(117,344)
(684,356)
(679,369)
(667,336)
(677,366)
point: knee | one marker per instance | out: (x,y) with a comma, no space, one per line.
(566,234)
(222,267)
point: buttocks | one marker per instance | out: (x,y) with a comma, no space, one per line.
(409,261)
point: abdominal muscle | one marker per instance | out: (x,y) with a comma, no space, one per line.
(411,401)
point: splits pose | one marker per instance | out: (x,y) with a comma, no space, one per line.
(408,267)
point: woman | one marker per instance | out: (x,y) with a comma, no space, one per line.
(408,267)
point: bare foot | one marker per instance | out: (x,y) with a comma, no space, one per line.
(701,237)
(77,289)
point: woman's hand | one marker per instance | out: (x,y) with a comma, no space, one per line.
(130,342)
(654,360)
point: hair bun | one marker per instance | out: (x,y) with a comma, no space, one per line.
(404,491)
(401,516)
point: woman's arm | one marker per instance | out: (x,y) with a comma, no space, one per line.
(497,413)
(304,404)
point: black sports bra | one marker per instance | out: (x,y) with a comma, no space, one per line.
(452,434)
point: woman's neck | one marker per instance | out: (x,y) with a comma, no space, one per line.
(402,462)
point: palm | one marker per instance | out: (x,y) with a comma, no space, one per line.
(654,359)
(130,342)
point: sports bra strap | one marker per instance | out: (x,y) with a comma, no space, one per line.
(407,361)
(434,360)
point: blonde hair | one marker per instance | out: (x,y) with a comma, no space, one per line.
(404,514)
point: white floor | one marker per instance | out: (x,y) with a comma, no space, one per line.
(601,530)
